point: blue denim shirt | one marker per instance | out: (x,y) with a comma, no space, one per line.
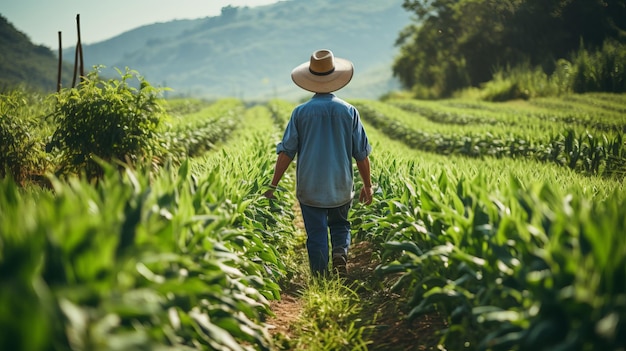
(326,134)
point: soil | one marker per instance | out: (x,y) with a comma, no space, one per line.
(387,312)
(382,312)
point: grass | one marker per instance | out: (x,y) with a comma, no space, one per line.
(358,313)
(329,317)
(327,312)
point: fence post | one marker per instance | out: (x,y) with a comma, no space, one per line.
(80,46)
(78,51)
(60,64)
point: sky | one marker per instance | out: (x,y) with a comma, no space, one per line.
(41,20)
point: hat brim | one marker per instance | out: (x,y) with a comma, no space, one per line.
(340,77)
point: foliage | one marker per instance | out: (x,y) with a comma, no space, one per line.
(585,151)
(21,146)
(511,268)
(138,261)
(183,106)
(194,133)
(517,255)
(458,44)
(281,111)
(603,70)
(110,120)
(586,71)
(525,82)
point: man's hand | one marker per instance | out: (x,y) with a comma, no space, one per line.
(366,195)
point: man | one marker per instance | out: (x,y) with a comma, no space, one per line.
(326,134)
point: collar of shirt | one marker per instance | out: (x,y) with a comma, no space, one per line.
(323,95)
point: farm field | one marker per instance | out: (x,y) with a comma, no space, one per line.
(500,223)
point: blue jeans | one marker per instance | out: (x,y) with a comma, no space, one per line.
(317,222)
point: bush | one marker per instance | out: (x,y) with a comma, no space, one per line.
(110,120)
(21,147)
(603,70)
(586,71)
(525,82)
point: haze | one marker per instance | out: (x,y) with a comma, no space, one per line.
(41,20)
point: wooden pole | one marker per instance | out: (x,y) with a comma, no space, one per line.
(60,64)
(77,54)
(80,46)
(75,66)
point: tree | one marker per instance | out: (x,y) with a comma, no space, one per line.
(459,43)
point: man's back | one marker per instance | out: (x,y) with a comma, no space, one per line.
(326,134)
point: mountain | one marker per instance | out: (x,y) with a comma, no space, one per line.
(249,52)
(24,64)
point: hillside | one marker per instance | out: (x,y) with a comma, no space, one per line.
(249,52)
(23,63)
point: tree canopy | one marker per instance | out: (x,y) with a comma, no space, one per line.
(459,43)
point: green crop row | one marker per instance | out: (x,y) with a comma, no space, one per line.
(584,152)
(506,127)
(439,113)
(516,255)
(591,104)
(596,112)
(184,106)
(281,111)
(195,133)
(184,259)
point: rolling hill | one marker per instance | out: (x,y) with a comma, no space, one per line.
(249,52)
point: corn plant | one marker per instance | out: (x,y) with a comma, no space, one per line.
(184,106)
(281,111)
(585,152)
(509,260)
(193,134)
(174,260)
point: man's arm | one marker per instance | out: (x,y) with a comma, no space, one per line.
(364,171)
(282,163)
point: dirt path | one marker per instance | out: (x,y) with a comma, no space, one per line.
(382,311)
(287,311)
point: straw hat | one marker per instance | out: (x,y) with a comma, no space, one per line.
(324,73)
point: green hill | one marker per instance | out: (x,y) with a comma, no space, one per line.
(24,64)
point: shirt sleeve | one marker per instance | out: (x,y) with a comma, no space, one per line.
(289,144)
(361,147)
